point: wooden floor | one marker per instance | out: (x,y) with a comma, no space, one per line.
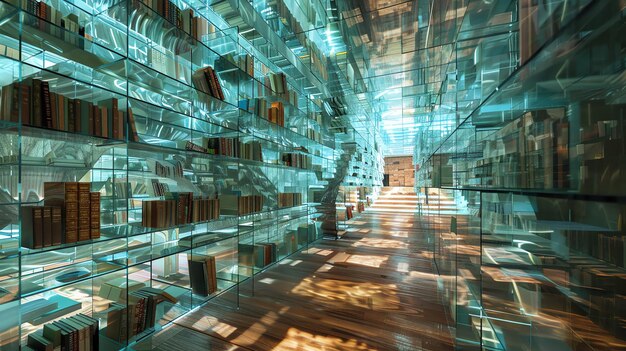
(374,289)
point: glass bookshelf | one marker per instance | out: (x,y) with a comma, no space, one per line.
(534,244)
(192,145)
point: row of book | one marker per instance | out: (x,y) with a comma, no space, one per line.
(297,160)
(289,199)
(182,210)
(76,333)
(124,321)
(162,170)
(206,80)
(233,147)
(37,106)
(71,213)
(197,27)
(240,205)
(52,21)
(202,274)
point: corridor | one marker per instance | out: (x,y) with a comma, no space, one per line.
(374,289)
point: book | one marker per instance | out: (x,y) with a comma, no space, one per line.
(68,337)
(39,343)
(132,128)
(75,342)
(94,210)
(202,274)
(37,112)
(84,220)
(31,227)
(46,226)
(93,330)
(53,333)
(116,324)
(79,331)
(46,105)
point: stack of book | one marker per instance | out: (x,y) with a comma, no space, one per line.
(42,108)
(205,80)
(79,332)
(71,213)
(296,160)
(289,199)
(240,205)
(126,321)
(183,209)
(202,274)
(52,21)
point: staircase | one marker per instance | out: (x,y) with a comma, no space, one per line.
(396,199)
(405,200)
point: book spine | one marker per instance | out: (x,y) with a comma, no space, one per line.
(79,126)
(71,212)
(71,116)
(37,112)
(46,231)
(26,104)
(97,121)
(94,209)
(54,110)
(37,241)
(46,108)
(84,225)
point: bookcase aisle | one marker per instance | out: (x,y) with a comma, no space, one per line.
(151,159)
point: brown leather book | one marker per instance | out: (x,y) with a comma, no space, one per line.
(27,235)
(94,208)
(84,220)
